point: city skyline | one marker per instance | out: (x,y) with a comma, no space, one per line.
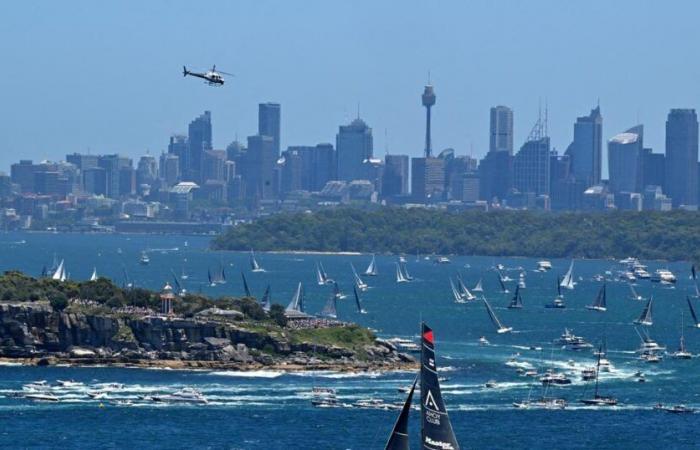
(136,99)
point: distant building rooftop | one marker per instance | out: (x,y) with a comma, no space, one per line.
(184,187)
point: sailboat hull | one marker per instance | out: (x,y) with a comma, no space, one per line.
(504,330)
(597,308)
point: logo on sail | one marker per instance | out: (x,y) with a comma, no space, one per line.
(430,402)
(438,444)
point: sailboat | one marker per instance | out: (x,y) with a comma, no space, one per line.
(218,277)
(399,275)
(692,313)
(402,266)
(568,281)
(599,304)
(254,266)
(682,352)
(93,277)
(183,275)
(127,282)
(357,301)
(321,275)
(558,301)
(478,287)
(504,289)
(361,285)
(466,295)
(266,301)
(634,295)
(398,440)
(455,293)
(296,306)
(500,328)
(645,317)
(60,272)
(180,289)
(330,309)
(144,260)
(372,268)
(597,399)
(336,292)
(517,301)
(436,428)
(246,289)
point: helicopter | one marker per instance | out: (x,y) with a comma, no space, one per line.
(212,77)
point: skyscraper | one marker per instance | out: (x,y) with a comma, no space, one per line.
(531,165)
(625,160)
(586,149)
(395,182)
(427,179)
(269,123)
(501,134)
(260,167)
(354,145)
(682,157)
(200,139)
(178,147)
(428,100)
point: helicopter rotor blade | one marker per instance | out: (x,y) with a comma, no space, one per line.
(226,73)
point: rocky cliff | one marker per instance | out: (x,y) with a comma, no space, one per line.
(36,331)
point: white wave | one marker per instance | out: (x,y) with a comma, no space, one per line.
(337,375)
(248,374)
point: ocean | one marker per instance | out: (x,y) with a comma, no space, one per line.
(272,410)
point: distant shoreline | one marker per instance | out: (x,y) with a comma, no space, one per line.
(355,367)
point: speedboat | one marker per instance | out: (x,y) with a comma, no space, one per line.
(543,266)
(675,409)
(185,395)
(442,260)
(69,383)
(599,401)
(404,345)
(144,260)
(588,373)
(552,377)
(483,341)
(573,342)
(41,397)
(36,386)
(491,384)
(650,357)
(641,273)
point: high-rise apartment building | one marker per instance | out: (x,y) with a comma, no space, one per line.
(586,149)
(682,157)
(269,116)
(354,145)
(501,130)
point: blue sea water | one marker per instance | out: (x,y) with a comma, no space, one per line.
(273,410)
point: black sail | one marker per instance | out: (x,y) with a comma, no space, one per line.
(436,429)
(246,289)
(399,435)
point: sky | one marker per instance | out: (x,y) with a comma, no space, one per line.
(106,77)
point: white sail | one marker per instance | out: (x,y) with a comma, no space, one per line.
(478,287)
(463,289)
(361,285)
(254,266)
(402,266)
(568,281)
(372,268)
(399,275)
(319,276)
(93,277)
(455,293)
(59,274)
(297,301)
(500,328)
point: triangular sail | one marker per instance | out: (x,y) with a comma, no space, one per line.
(176,282)
(93,277)
(497,323)
(558,286)
(336,291)
(503,286)
(517,300)
(568,280)
(436,429)
(693,274)
(600,300)
(645,318)
(455,293)
(398,440)
(372,268)
(402,266)
(478,287)
(319,276)
(358,281)
(266,301)
(692,312)
(254,266)
(58,274)
(399,275)
(463,289)
(297,303)
(246,289)
(634,294)
(330,310)
(357,301)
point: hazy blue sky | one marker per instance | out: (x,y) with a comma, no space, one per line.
(107,75)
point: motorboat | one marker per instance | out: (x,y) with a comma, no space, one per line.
(41,397)
(650,357)
(544,266)
(185,395)
(552,377)
(404,345)
(675,409)
(69,383)
(144,260)
(663,276)
(442,260)
(572,342)
(588,373)
(483,341)
(491,384)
